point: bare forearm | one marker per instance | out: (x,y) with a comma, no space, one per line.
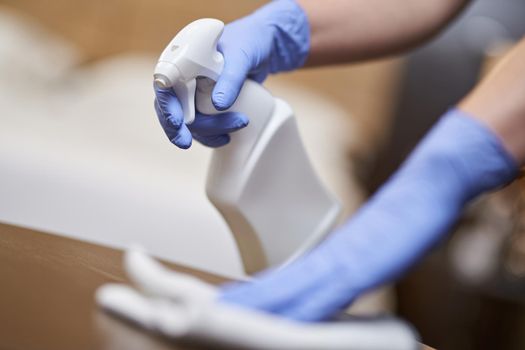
(353,30)
(499,101)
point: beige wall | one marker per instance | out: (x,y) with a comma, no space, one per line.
(105,27)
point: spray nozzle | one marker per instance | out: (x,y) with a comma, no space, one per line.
(192,53)
(161,81)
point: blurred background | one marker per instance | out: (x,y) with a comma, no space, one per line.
(81,153)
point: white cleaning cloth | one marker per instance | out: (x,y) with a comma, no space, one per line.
(183,307)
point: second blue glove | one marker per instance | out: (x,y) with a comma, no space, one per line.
(457,161)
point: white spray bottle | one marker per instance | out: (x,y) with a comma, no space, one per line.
(262,182)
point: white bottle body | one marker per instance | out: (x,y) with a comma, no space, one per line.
(264,184)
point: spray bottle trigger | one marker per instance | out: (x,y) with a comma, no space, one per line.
(185,91)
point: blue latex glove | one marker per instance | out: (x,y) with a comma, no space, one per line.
(457,161)
(273,39)
(211,131)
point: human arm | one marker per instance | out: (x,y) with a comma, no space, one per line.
(343,31)
(284,34)
(499,101)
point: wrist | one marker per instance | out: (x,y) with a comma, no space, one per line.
(467,154)
(507,124)
(290,30)
(498,102)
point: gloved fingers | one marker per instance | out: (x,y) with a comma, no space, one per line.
(156,280)
(271,290)
(169,106)
(177,133)
(317,305)
(259,75)
(225,123)
(256,294)
(236,67)
(153,314)
(213,141)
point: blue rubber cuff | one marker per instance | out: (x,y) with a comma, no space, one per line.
(291,29)
(468,154)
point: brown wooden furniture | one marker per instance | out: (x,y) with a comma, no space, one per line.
(47,283)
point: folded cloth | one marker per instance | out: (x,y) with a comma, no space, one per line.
(182,307)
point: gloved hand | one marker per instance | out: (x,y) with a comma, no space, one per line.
(273,39)
(183,307)
(457,161)
(211,131)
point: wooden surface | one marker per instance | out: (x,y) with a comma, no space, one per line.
(47,285)
(46,295)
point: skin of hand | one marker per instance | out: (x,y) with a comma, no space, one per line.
(345,31)
(499,101)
